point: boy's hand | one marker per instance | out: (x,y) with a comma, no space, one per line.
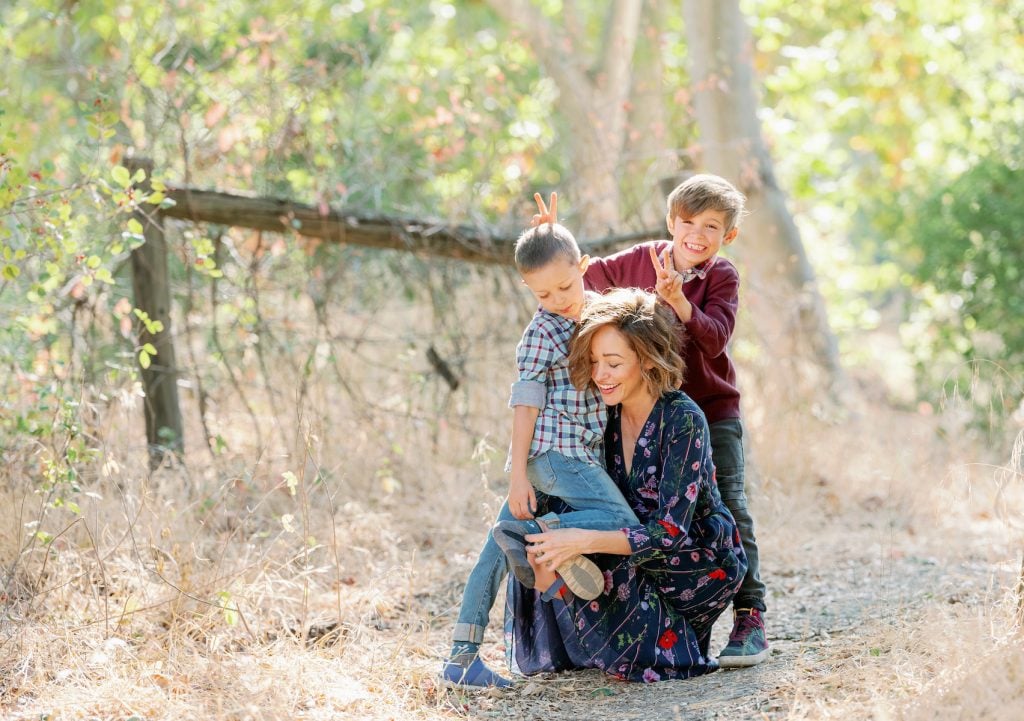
(670,283)
(545,215)
(522,501)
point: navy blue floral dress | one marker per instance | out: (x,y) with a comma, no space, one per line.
(654,619)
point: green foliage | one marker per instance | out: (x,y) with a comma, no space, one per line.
(437,109)
(871,107)
(968,240)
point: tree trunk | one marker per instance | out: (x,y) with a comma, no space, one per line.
(647,156)
(594,101)
(780,287)
(164,428)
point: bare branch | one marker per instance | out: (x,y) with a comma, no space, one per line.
(435,239)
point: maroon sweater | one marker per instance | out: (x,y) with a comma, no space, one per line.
(710,375)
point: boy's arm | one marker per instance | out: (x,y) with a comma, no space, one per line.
(619,270)
(534,357)
(710,327)
(629,268)
(522,501)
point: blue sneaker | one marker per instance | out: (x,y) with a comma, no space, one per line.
(474,676)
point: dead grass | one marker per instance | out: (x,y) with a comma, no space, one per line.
(225,588)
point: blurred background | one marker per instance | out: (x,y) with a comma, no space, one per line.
(338,414)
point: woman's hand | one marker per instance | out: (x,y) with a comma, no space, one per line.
(551,549)
(543,576)
(544,214)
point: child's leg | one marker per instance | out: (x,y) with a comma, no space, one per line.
(482,588)
(596,500)
(727,454)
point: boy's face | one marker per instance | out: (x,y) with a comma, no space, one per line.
(558,286)
(699,237)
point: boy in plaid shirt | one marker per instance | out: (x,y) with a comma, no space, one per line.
(557,434)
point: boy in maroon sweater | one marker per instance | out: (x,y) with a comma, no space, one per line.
(703,289)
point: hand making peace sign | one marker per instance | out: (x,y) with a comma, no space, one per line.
(669,284)
(545,215)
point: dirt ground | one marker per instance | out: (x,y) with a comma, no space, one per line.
(841,609)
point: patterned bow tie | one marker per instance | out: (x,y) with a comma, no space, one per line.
(698,271)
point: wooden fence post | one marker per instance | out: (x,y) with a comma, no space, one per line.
(151,288)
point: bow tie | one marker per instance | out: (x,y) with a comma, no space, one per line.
(698,271)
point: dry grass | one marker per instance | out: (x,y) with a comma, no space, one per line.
(216,590)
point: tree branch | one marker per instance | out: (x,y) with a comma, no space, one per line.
(432,238)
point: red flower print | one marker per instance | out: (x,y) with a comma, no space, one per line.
(673,529)
(668,639)
(718,574)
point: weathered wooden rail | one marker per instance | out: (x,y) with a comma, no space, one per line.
(434,239)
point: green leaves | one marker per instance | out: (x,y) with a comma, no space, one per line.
(146,353)
(966,236)
(121,176)
(152,326)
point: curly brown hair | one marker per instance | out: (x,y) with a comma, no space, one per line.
(650,328)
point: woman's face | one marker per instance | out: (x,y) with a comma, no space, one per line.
(616,368)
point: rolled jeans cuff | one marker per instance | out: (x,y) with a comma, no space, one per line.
(468,632)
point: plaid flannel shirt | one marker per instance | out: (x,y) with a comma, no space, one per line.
(570,422)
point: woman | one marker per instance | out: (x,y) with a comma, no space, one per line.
(667,579)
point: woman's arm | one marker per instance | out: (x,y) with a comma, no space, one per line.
(555,547)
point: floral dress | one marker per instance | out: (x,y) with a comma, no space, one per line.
(654,619)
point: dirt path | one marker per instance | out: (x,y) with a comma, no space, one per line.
(823,616)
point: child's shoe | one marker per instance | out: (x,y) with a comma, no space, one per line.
(474,676)
(747,643)
(581,575)
(511,539)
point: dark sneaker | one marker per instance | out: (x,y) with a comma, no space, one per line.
(510,537)
(747,644)
(580,574)
(474,676)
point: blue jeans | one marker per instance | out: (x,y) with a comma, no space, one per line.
(584,486)
(727,454)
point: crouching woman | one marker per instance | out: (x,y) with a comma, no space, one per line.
(666,579)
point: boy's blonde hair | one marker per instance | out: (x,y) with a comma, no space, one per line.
(538,246)
(650,329)
(707,192)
